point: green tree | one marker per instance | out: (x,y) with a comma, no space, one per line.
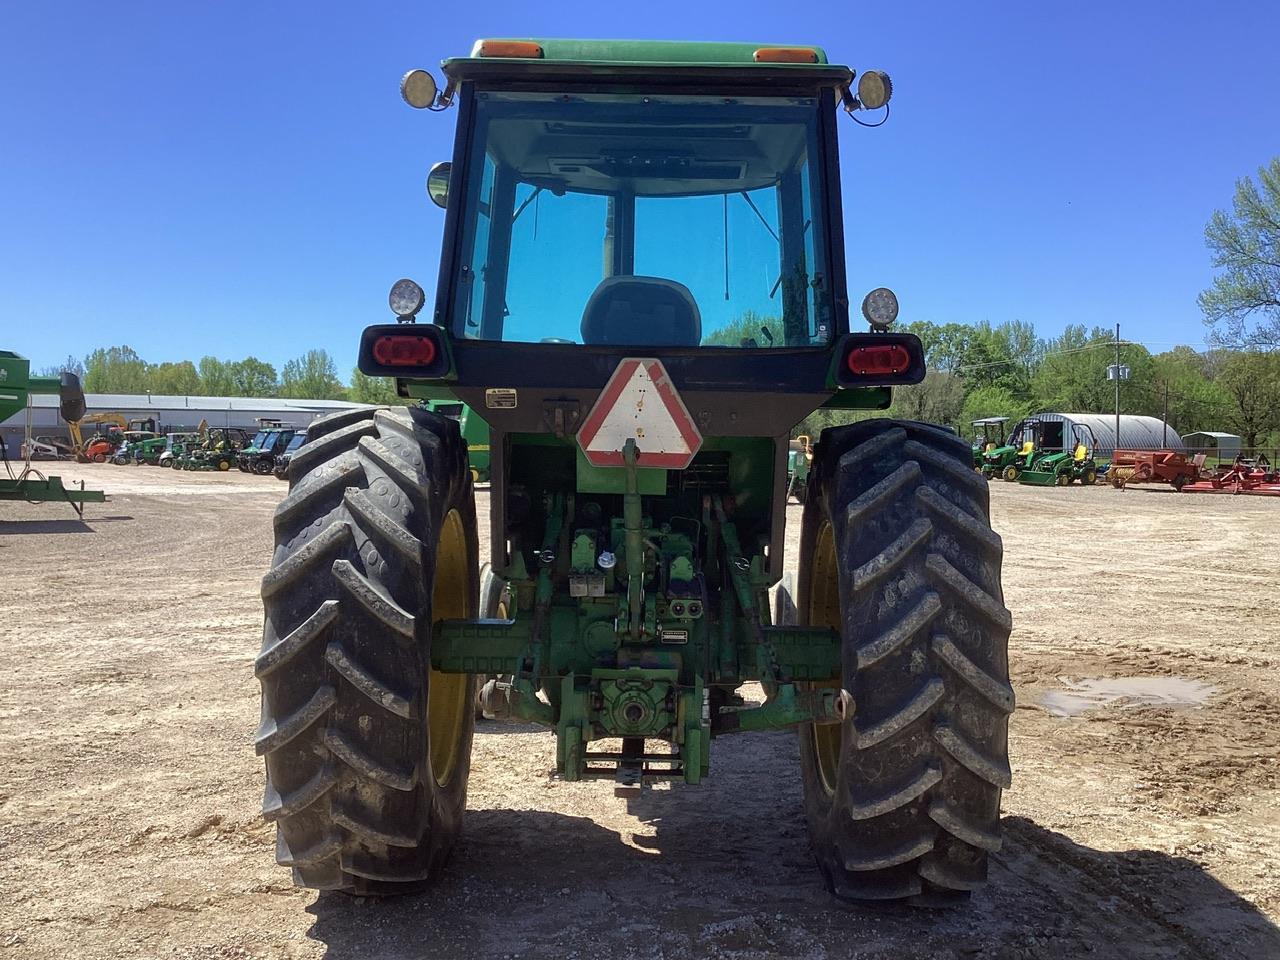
(1184,377)
(936,399)
(174,379)
(312,376)
(992,401)
(375,390)
(70,365)
(1251,382)
(1243,305)
(252,377)
(115,370)
(1072,376)
(215,378)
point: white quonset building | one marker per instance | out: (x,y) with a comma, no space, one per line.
(1136,433)
(172,414)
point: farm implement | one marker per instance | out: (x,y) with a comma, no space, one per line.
(1257,478)
(16,387)
(1154,466)
(640,409)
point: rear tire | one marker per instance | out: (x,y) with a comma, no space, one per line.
(897,553)
(367,749)
(1011,473)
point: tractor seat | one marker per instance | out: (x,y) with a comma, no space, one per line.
(1081,453)
(1027,448)
(642,312)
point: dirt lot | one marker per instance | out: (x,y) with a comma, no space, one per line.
(129,791)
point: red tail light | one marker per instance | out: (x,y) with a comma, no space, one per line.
(404,351)
(882,360)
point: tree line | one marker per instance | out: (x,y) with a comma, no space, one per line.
(312,376)
(986,370)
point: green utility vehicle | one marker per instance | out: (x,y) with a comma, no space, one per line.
(281,468)
(474,430)
(988,436)
(267,444)
(642,291)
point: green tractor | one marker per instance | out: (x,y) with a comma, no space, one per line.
(1008,460)
(177,447)
(640,393)
(988,436)
(153,449)
(1051,466)
(219,451)
(474,431)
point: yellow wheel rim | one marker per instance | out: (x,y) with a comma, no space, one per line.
(449,694)
(824,611)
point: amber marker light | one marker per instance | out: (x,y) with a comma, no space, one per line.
(786,55)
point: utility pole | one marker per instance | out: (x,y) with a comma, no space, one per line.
(1116,445)
(1165,441)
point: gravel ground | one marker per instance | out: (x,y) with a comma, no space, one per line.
(1144,821)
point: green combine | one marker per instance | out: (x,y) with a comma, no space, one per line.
(16,387)
(642,291)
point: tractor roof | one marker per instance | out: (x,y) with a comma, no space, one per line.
(503,57)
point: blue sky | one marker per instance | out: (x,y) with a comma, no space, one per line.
(242,178)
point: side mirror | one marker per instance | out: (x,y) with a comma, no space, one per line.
(71,398)
(438,183)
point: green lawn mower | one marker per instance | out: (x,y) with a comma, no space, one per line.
(642,291)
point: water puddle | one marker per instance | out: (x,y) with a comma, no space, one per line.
(1082,695)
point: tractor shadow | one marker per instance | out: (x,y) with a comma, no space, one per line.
(723,870)
(14,527)
(72,525)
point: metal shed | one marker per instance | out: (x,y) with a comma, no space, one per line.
(1136,433)
(1223,446)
